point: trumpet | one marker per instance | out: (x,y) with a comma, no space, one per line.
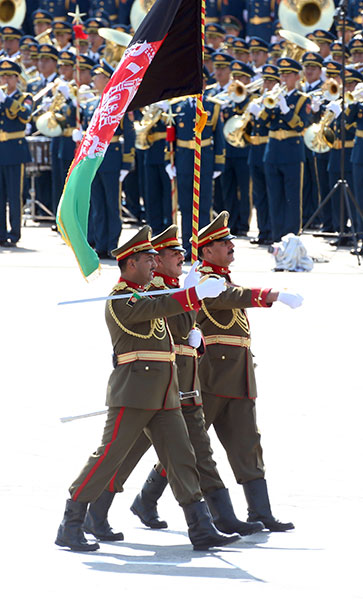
(330,90)
(237,91)
(271,98)
(355,96)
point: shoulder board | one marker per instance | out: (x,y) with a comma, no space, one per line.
(205,270)
(119,287)
(158,282)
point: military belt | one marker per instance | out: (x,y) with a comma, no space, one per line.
(260,20)
(256,140)
(191,143)
(347,144)
(5,136)
(182,350)
(281,134)
(115,139)
(359,133)
(228,340)
(154,355)
(155,137)
(67,132)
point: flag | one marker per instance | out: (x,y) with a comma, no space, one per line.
(163,60)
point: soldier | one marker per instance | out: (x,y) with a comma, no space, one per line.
(212,11)
(260,18)
(240,50)
(235,179)
(258,54)
(63,34)
(258,138)
(91,27)
(226,368)
(350,29)
(324,39)
(212,160)
(11,43)
(354,114)
(86,65)
(336,51)
(356,52)
(111,9)
(145,359)
(230,22)
(284,155)
(187,338)
(274,52)
(214,35)
(59,8)
(208,63)
(42,20)
(15,113)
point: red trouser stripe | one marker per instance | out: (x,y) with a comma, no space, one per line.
(101,459)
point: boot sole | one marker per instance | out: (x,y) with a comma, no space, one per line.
(220,544)
(117,537)
(161,525)
(85,548)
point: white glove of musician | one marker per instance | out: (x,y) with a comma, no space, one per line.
(216,174)
(254,108)
(63,88)
(195,338)
(28,129)
(210,288)
(77,135)
(171,171)
(46,102)
(283,104)
(193,277)
(292,300)
(335,107)
(2,95)
(315,104)
(123,174)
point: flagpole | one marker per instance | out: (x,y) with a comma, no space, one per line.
(78,34)
(199,126)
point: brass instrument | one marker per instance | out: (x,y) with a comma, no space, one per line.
(12,13)
(138,11)
(319,137)
(270,98)
(330,90)
(44,37)
(237,91)
(235,128)
(151,115)
(355,96)
(296,45)
(48,122)
(116,44)
(303,16)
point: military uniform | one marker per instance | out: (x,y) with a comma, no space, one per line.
(59,9)
(261,16)
(15,113)
(284,159)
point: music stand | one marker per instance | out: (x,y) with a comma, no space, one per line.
(346,194)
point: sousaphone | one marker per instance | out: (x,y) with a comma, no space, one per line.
(304,16)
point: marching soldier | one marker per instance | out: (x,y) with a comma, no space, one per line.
(258,139)
(214,35)
(260,18)
(240,50)
(336,51)
(42,20)
(258,54)
(91,27)
(226,368)
(145,360)
(212,160)
(284,155)
(356,52)
(274,52)
(11,43)
(15,113)
(235,179)
(63,34)
(324,39)
(354,114)
(187,338)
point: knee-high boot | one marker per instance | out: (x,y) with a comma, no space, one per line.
(96,519)
(224,518)
(70,533)
(201,530)
(259,506)
(145,504)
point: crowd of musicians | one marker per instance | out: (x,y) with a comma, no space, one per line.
(259,148)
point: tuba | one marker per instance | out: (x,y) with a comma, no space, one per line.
(235,128)
(139,10)
(116,44)
(12,13)
(319,137)
(303,16)
(48,122)
(151,115)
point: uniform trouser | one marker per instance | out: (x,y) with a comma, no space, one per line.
(157,198)
(260,200)
(11,192)
(185,200)
(326,211)
(284,187)
(105,200)
(57,174)
(311,191)
(334,176)
(169,436)
(207,468)
(218,203)
(234,421)
(236,195)
(358,194)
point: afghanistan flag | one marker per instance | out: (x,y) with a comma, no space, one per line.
(163,60)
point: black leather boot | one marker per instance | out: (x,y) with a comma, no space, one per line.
(259,506)
(145,504)
(201,530)
(96,519)
(70,533)
(224,518)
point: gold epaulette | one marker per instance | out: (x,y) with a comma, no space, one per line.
(34,79)
(158,282)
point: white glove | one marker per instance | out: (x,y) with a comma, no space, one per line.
(292,300)
(123,174)
(335,107)
(77,135)
(63,88)
(2,95)
(46,102)
(171,171)
(283,104)
(210,288)
(193,277)
(315,104)
(216,174)
(163,104)
(28,129)
(254,108)
(195,338)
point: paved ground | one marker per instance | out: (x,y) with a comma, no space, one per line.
(55,362)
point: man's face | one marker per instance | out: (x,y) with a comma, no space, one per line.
(324,49)
(312,73)
(11,46)
(40,27)
(47,66)
(259,58)
(268,84)
(141,270)
(66,71)
(170,262)
(11,81)
(85,76)
(350,86)
(290,80)
(357,57)
(220,253)
(100,81)
(62,39)
(222,75)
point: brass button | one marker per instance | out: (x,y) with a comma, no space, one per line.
(147,368)
(223,357)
